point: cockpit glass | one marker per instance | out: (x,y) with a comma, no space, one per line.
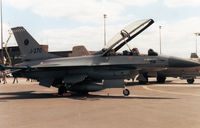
(127,33)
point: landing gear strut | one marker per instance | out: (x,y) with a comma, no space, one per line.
(190,81)
(161,79)
(143,78)
(62,90)
(126,92)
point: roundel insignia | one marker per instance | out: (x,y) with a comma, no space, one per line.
(130,57)
(26,42)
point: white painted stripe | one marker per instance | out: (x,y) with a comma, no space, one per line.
(170,92)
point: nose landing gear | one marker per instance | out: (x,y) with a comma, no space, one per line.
(126,92)
(190,81)
(62,90)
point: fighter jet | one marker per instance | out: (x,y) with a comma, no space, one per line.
(83,74)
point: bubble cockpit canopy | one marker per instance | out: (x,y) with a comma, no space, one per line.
(127,34)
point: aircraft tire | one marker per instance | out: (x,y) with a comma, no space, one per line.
(161,79)
(126,92)
(190,81)
(61,90)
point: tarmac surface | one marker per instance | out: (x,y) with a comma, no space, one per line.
(175,104)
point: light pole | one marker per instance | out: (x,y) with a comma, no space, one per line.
(160,38)
(104,16)
(2,56)
(196,35)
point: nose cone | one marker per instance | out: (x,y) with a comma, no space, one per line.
(182,63)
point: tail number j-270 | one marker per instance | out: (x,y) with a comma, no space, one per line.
(36,50)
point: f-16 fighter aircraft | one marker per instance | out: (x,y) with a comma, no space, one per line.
(104,69)
(189,73)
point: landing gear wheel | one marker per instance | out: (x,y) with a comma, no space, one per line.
(190,81)
(161,79)
(126,92)
(62,90)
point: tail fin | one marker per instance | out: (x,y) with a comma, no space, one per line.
(29,47)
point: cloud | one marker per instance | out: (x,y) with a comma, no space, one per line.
(82,11)
(177,38)
(6,33)
(65,39)
(181,3)
(135,2)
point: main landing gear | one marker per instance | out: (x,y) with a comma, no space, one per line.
(126,92)
(161,79)
(62,90)
(190,81)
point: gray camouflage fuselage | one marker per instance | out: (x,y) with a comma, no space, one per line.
(97,67)
(105,69)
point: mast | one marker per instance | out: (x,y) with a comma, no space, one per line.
(160,39)
(2,56)
(104,16)
(196,34)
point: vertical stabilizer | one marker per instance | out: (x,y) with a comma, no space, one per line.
(29,47)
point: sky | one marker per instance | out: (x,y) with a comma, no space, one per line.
(63,24)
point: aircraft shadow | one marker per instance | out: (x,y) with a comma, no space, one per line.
(117,97)
(149,83)
(27,95)
(185,84)
(32,95)
(154,82)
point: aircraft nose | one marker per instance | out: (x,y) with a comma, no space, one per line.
(181,63)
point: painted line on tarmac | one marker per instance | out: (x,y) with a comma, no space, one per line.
(102,94)
(169,92)
(174,85)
